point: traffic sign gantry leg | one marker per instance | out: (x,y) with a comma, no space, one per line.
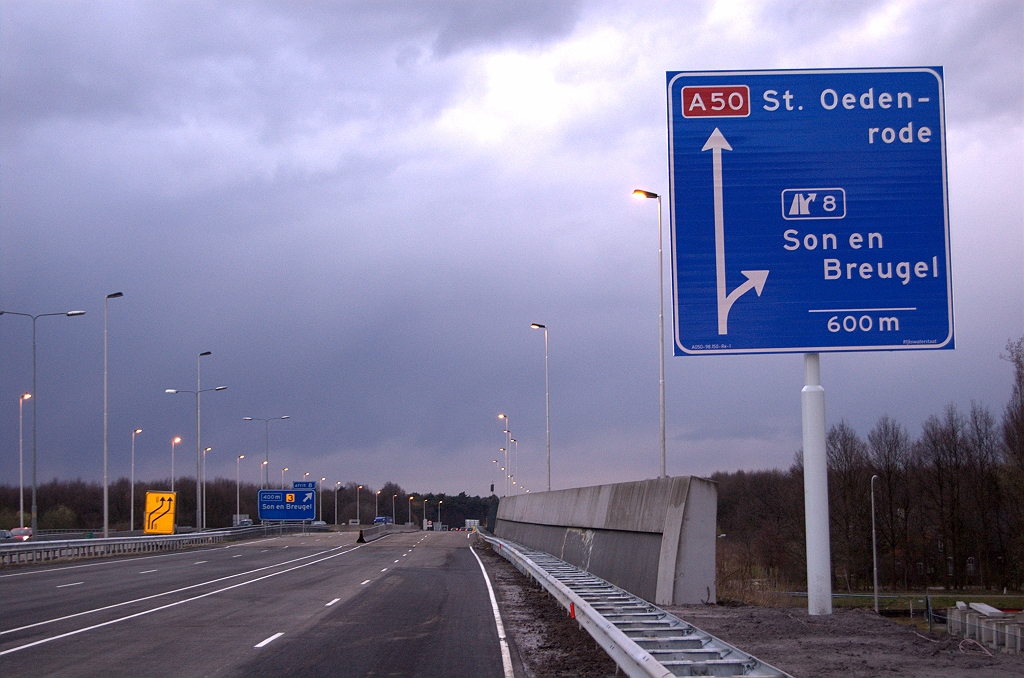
(819,551)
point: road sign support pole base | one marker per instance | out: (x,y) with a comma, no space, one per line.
(819,552)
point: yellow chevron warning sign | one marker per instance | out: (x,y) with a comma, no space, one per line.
(159,517)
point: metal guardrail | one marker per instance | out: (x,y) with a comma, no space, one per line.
(42,551)
(643,640)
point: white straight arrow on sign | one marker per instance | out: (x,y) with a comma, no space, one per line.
(755,279)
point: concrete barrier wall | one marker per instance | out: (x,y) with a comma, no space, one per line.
(654,538)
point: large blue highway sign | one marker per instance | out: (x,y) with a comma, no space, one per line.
(287,504)
(809,211)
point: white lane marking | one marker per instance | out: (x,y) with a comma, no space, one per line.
(199,562)
(147,571)
(403,555)
(384,570)
(396,561)
(332,602)
(75,584)
(165,593)
(506,658)
(269,640)
(238,556)
(174,604)
(365,582)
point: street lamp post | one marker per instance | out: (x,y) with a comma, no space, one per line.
(547,398)
(266,423)
(174,442)
(357,504)
(410,509)
(106,512)
(513,440)
(134,433)
(507,449)
(238,488)
(35,393)
(21,463)
(199,448)
(376,503)
(440,501)
(205,450)
(282,476)
(394,516)
(264,469)
(642,195)
(321,493)
(337,486)
(874,540)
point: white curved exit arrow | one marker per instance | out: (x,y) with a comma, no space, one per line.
(755,279)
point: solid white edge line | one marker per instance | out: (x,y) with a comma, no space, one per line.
(60,586)
(332,602)
(365,582)
(165,593)
(175,604)
(506,658)
(269,640)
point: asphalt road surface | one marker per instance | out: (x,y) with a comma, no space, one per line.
(410,604)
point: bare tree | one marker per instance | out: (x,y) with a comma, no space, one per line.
(889,450)
(849,503)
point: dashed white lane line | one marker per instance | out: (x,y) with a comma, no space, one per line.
(384,570)
(332,602)
(269,640)
(147,571)
(199,562)
(74,584)
(238,556)
(396,561)
(365,582)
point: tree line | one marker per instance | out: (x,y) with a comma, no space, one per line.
(949,505)
(76,504)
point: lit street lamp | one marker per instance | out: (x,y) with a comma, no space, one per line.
(643,195)
(134,433)
(106,511)
(547,397)
(21,463)
(506,449)
(174,442)
(394,517)
(282,476)
(357,504)
(36,393)
(376,502)
(440,501)
(410,509)
(264,467)
(266,427)
(199,448)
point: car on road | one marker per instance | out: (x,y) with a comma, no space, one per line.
(383,520)
(319,523)
(22,533)
(5,535)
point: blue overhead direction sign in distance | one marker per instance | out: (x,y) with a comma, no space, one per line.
(294,504)
(809,211)
(304,484)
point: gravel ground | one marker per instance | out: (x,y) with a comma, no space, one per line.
(544,641)
(849,643)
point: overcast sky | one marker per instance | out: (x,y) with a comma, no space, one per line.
(360,207)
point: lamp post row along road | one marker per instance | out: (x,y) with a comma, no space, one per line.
(199,448)
(266,423)
(35,395)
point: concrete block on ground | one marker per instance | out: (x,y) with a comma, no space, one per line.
(654,538)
